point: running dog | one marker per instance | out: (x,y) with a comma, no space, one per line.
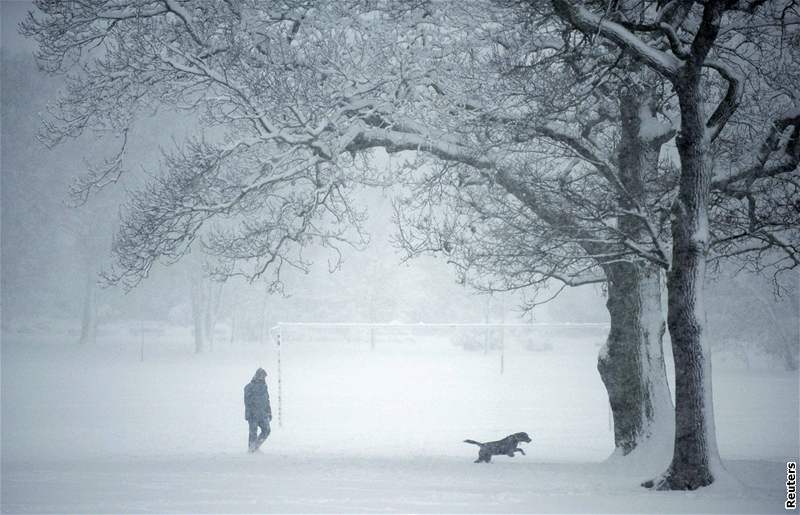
(507,446)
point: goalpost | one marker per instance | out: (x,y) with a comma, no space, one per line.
(278,335)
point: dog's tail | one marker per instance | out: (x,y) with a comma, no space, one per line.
(473,442)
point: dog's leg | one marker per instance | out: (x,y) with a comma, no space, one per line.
(520,450)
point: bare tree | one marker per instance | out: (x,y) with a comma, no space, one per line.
(753,216)
(205,294)
(683,42)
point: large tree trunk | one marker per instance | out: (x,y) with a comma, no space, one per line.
(695,458)
(631,364)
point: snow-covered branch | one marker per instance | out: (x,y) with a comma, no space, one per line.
(591,24)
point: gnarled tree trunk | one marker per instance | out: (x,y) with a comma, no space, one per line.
(631,364)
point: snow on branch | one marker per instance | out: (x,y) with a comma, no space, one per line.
(592,24)
(100,175)
(730,102)
(298,96)
(778,154)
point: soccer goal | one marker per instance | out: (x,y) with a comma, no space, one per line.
(425,348)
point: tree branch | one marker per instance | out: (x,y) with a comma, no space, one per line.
(591,24)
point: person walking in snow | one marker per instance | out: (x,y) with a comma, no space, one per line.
(257,410)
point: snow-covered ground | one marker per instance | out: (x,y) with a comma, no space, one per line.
(94,430)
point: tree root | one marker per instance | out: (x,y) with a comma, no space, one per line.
(683,480)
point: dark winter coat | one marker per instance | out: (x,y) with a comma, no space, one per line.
(256,399)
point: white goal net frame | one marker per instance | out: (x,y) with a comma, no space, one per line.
(276,333)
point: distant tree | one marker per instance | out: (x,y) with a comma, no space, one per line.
(754,321)
(205,295)
(42,231)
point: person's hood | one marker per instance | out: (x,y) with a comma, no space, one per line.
(260,376)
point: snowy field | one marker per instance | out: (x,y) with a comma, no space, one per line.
(94,430)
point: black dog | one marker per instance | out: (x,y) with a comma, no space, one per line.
(507,446)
